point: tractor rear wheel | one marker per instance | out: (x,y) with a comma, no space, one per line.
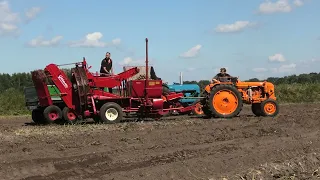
(69,116)
(256,109)
(52,114)
(225,101)
(269,108)
(111,113)
(37,116)
(198,108)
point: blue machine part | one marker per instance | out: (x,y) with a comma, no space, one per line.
(189,91)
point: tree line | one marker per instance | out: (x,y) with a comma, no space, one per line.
(20,80)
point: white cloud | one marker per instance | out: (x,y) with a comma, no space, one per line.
(277,58)
(41,42)
(32,13)
(285,68)
(193,52)
(94,40)
(235,27)
(8,19)
(269,7)
(259,70)
(130,61)
(191,69)
(298,3)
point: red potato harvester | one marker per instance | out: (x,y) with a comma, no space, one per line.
(83,95)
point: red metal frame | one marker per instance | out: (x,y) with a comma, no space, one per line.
(149,103)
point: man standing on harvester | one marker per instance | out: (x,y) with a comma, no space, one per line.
(106,67)
(223,74)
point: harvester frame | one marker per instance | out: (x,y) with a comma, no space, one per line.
(225,98)
(84,98)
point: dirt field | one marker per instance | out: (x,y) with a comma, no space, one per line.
(245,147)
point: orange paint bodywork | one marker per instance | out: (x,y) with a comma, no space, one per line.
(259,91)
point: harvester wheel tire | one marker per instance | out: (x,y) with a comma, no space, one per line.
(270,108)
(52,114)
(198,108)
(256,109)
(111,113)
(37,116)
(69,116)
(225,101)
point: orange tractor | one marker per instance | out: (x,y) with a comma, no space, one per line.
(225,99)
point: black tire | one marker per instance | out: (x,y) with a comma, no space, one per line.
(113,108)
(272,112)
(165,90)
(52,114)
(96,118)
(37,116)
(256,109)
(69,116)
(196,111)
(231,89)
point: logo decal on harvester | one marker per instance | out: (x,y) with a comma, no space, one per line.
(60,77)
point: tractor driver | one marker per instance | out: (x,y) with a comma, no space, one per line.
(106,67)
(223,73)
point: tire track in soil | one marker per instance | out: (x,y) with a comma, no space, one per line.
(96,166)
(95,169)
(247,141)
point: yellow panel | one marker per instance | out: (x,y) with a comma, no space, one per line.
(151,83)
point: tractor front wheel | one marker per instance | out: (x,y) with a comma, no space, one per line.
(225,101)
(270,108)
(111,113)
(69,116)
(52,114)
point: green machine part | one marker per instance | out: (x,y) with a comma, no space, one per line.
(54,93)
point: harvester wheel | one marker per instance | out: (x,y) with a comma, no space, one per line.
(256,109)
(69,116)
(52,114)
(111,113)
(225,101)
(269,108)
(198,108)
(37,116)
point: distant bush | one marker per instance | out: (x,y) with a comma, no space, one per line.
(298,93)
(12,102)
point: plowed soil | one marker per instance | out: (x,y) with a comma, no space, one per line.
(184,147)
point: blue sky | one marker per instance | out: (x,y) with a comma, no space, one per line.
(252,38)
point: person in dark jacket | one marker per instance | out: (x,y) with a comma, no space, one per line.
(223,73)
(106,67)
